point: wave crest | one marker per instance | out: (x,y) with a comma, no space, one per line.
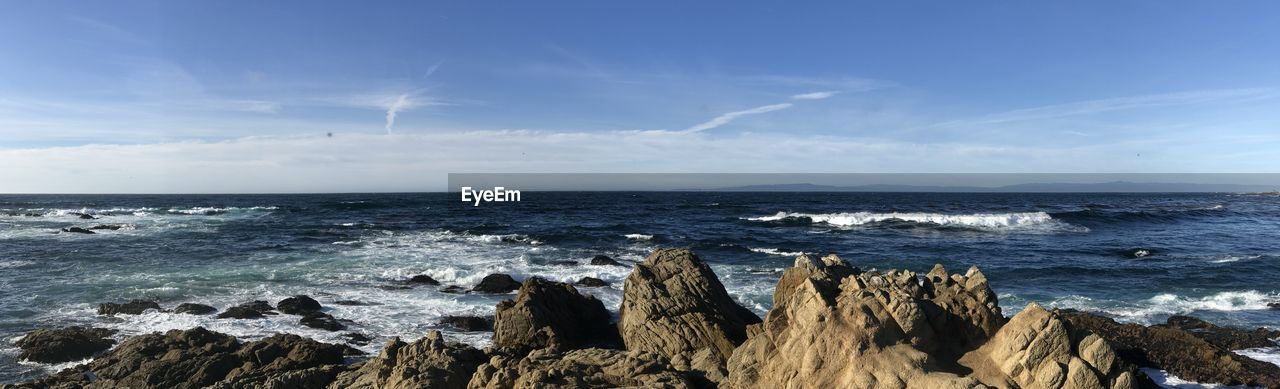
(986,221)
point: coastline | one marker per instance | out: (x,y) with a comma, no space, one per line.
(831,324)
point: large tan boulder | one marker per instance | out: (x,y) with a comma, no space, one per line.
(430,362)
(1037,349)
(551,314)
(869,330)
(673,305)
(583,368)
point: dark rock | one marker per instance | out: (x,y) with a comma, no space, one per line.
(585,368)
(199,358)
(353,303)
(564,263)
(134,307)
(78,230)
(240,312)
(298,305)
(64,345)
(1273,305)
(394,287)
(1177,351)
(194,309)
(83,215)
(357,338)
(469,323)
(604,260)
(591,282)
(321,320)
(497,283)
(454,289)
(112,227)
(430,362)
(548,314)
(423,279)
(1224,337)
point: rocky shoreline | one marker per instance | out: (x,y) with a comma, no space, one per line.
(832,325)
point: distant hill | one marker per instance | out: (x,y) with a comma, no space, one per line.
(1112,187)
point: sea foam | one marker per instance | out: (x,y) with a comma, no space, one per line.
(990,221)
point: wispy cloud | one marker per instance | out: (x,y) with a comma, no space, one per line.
(1091,107)
(814,95)
(401,103)
(729,117)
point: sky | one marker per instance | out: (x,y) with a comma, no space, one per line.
(293,96)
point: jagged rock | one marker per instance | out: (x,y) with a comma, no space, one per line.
(429,362)
(831,326)
(469,323)
(321,320)
(64,345)
(591,282)
(673,305)
(604,260)
(1176,351)
(1037,349)
(548,314)
(199,358)
(962,309)
(584,368)
(77,230)
(194,309)
(423,279)
(1226,338)
(298,305)
(133,307)
(497,283)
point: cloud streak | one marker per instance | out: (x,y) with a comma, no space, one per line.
(729,117)
(814,95)
(401,103)
(1091,107)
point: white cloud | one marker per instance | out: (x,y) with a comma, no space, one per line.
(729,117)
(814,95)
(1091,107)
(400,104)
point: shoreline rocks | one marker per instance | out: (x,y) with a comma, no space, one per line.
(831,325)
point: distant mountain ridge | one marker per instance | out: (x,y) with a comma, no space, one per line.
(1105,187)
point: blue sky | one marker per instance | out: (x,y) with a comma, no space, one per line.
(240,96)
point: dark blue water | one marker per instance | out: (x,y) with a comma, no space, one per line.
(1138,257)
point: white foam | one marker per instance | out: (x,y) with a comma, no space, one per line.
(773,251)
(995,221)
(1157,307)
(1165,380)
(638,237)
(1266,354)
(1234,258)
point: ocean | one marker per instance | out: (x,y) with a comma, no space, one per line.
(1136,257)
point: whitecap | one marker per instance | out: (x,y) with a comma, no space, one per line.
(1156,308)
(992,221)
(773,251)
(638,237)
(1266,354)
(1165,380)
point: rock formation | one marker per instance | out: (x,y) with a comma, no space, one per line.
(673,305)
(604,260)
(429,362)
(496,283)
(298,305)
(547,314)
(1037,349)
(194,309)
(64,345)
(1177,351)
(133,307)
(584,368)
(1226,338)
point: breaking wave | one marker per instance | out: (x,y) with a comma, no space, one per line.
(984,221)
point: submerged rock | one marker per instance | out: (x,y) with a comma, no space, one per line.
(673,305)
(429,362)
(83,215)
(354,303)
(423,279)
(77,230)
(111,227)
(250,310)
(548,314)
(194,309)
(321,320)
(585,368)
(357,338)
(591,282)
(1226,338)
(453,289)
(604,260)
(298,305)
(1176,351)
(64,344)
(497,283)
(133,307)
(469,323)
